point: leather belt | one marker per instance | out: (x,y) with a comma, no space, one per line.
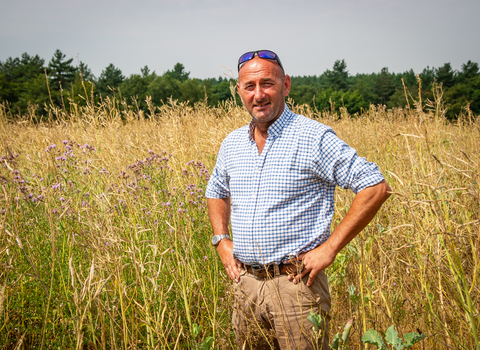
(269,271)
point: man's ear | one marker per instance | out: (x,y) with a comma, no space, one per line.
(238,92)
(287,85)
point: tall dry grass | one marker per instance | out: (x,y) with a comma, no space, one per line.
(104,238)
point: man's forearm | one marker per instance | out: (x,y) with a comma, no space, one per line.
(219,213)
(363,209)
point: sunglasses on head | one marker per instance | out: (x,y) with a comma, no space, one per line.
(267,54)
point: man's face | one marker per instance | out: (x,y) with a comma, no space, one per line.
(263,87)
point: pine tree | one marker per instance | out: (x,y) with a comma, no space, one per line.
(384,86)
(61,70)
(110,78)
(85,71)
(446,75)
(178,72)
(338,77)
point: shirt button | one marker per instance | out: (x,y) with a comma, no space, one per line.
(257,170)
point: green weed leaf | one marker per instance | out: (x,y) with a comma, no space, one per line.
(391,337)
(315,319)
(196,330)
(372,337)
(335,342)
(207,344)
(411,339)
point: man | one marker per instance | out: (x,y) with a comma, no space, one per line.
(277,177)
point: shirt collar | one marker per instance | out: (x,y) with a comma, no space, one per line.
(276,128)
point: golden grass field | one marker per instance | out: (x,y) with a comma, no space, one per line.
(104,238)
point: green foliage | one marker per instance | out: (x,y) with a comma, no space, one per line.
(135,87)
(384,86)
(178,73)
(207,344)
(411,339)
(340,340)
(162,88)
(469,71)
(354,297)
(445,75)
(316,320)
(110,79)
(428,77)
(372,337)
(85,72)
(334,90)
(391,337)
(60,70)
(338,77)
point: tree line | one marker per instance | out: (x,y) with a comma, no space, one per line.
(26,82)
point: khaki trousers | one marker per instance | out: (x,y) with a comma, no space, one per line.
(272,313)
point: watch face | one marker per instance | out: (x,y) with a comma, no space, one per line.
(217,238)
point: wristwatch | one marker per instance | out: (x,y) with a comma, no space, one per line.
(217,238)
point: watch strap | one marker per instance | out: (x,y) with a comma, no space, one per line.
(217,238)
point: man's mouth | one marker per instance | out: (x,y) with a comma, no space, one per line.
(260,106)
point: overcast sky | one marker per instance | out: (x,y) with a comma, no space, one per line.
(208,35)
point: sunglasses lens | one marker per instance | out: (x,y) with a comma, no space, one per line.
(245,57)
(266,54)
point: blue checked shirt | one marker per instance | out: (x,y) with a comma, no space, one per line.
(283,198)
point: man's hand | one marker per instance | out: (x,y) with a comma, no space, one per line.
(231,265)
(364,207)
(314,261)
(219,213)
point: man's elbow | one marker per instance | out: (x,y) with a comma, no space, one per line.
(384,191)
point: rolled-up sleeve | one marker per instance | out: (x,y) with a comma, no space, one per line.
(336,162)
(218,185)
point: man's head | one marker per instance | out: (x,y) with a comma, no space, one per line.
(262,85)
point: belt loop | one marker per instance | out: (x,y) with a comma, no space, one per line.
(276,269)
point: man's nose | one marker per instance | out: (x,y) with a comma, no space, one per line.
(259,93)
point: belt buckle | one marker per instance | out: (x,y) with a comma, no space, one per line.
(259,271)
